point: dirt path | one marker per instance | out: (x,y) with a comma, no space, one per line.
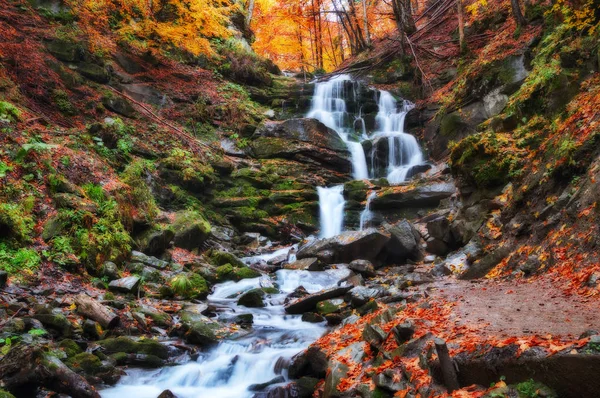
(518,308)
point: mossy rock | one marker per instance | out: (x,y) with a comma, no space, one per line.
(245,273)
(222,258)
(189,285)
(65,50)
(58,323)
(330,306)
(70,347)
(129,346)
(450,124)
(252,299)
(86,363)
(191,230)
(94,72)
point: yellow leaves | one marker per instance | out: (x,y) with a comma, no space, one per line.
(476,7)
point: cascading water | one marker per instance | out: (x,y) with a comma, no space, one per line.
(367,215)
(404,152)
(329,107)
(331,206)
(231,368)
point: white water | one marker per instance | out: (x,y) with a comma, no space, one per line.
(331,210)
(403,149)
(367,215)
(329,107)
(230,368)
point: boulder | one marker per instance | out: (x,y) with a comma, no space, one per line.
(109,270)
(363,267)
(404,242)
(252,298)
(337,371)
(191,230)
(309,302)
(304,140)
(119,105)
(308,264)
(346,247)
(312,362)
(154,242)
(482,266)
(420,196)
(360,295)
(94,72)
(153,262)
(144,93)
(330,306)
(129,284)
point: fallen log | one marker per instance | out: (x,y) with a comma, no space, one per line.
(26,367)
(95,311)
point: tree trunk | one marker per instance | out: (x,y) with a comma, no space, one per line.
(461,26)
(93,310)
(516,8)
(250,12)
(366,19)
(446,365)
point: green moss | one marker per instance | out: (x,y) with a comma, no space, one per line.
(328,307)
(19,261)
(86,362)
(222,258)
(126,345)
(61,99)
(70,347)
(245,273)
(9,112)
(189,286)
(135,175)
(15,222)
(224,272)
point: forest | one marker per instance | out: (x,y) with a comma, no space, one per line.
(299,199)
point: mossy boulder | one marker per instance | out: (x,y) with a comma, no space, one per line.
(130,346)
(6,394)
(330,306)
(94,72)
(356,190)
(190,230)
(58,324)
(222,258)
(70,347)
(65,50)
(229,273)
(252,298)
(200,330)
(189,286)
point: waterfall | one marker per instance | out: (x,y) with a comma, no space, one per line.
(329,107)
(367,215)
(331,209)
(403,149)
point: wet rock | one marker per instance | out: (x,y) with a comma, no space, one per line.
(312,362)
(262,386)
(129,284)
(129,346)
(485,264)
(413,279)
(305,140)
(200,330)
(437,246)
(309,302)
(167,394)
(403,332)
(191,230)
(58,324)
(92,330)
(363,267)
(252,299)
(346,247)
(440,270)
(155,242)
(306,386)
(404,242)
(391,380)
(309,264)
(374,334)
(148,361)
(159,318)
(312,317)
(424,195)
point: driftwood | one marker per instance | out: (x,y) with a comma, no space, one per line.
(25,368)
(446,365)
(93,310)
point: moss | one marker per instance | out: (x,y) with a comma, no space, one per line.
(126,345)
(135,175)
(189,286)
(85,362)
(9,112)
(270,290)
(70,347)
(252,298)
(15,222)
(224,272)
(245,273)
(328,307)
(222,258)
(62,102)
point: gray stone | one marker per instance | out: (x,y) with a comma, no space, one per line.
(129,284)
(423,195)
(363,267)
(309,264)
(494,103)
(119,105)
(482,266)
(404,242)
(312,362)
(360,295)
(347,247)
(110,270)
(144,93)
(94,72)
(309,302)
(148,260)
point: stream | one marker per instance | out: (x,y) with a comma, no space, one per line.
(231,369)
